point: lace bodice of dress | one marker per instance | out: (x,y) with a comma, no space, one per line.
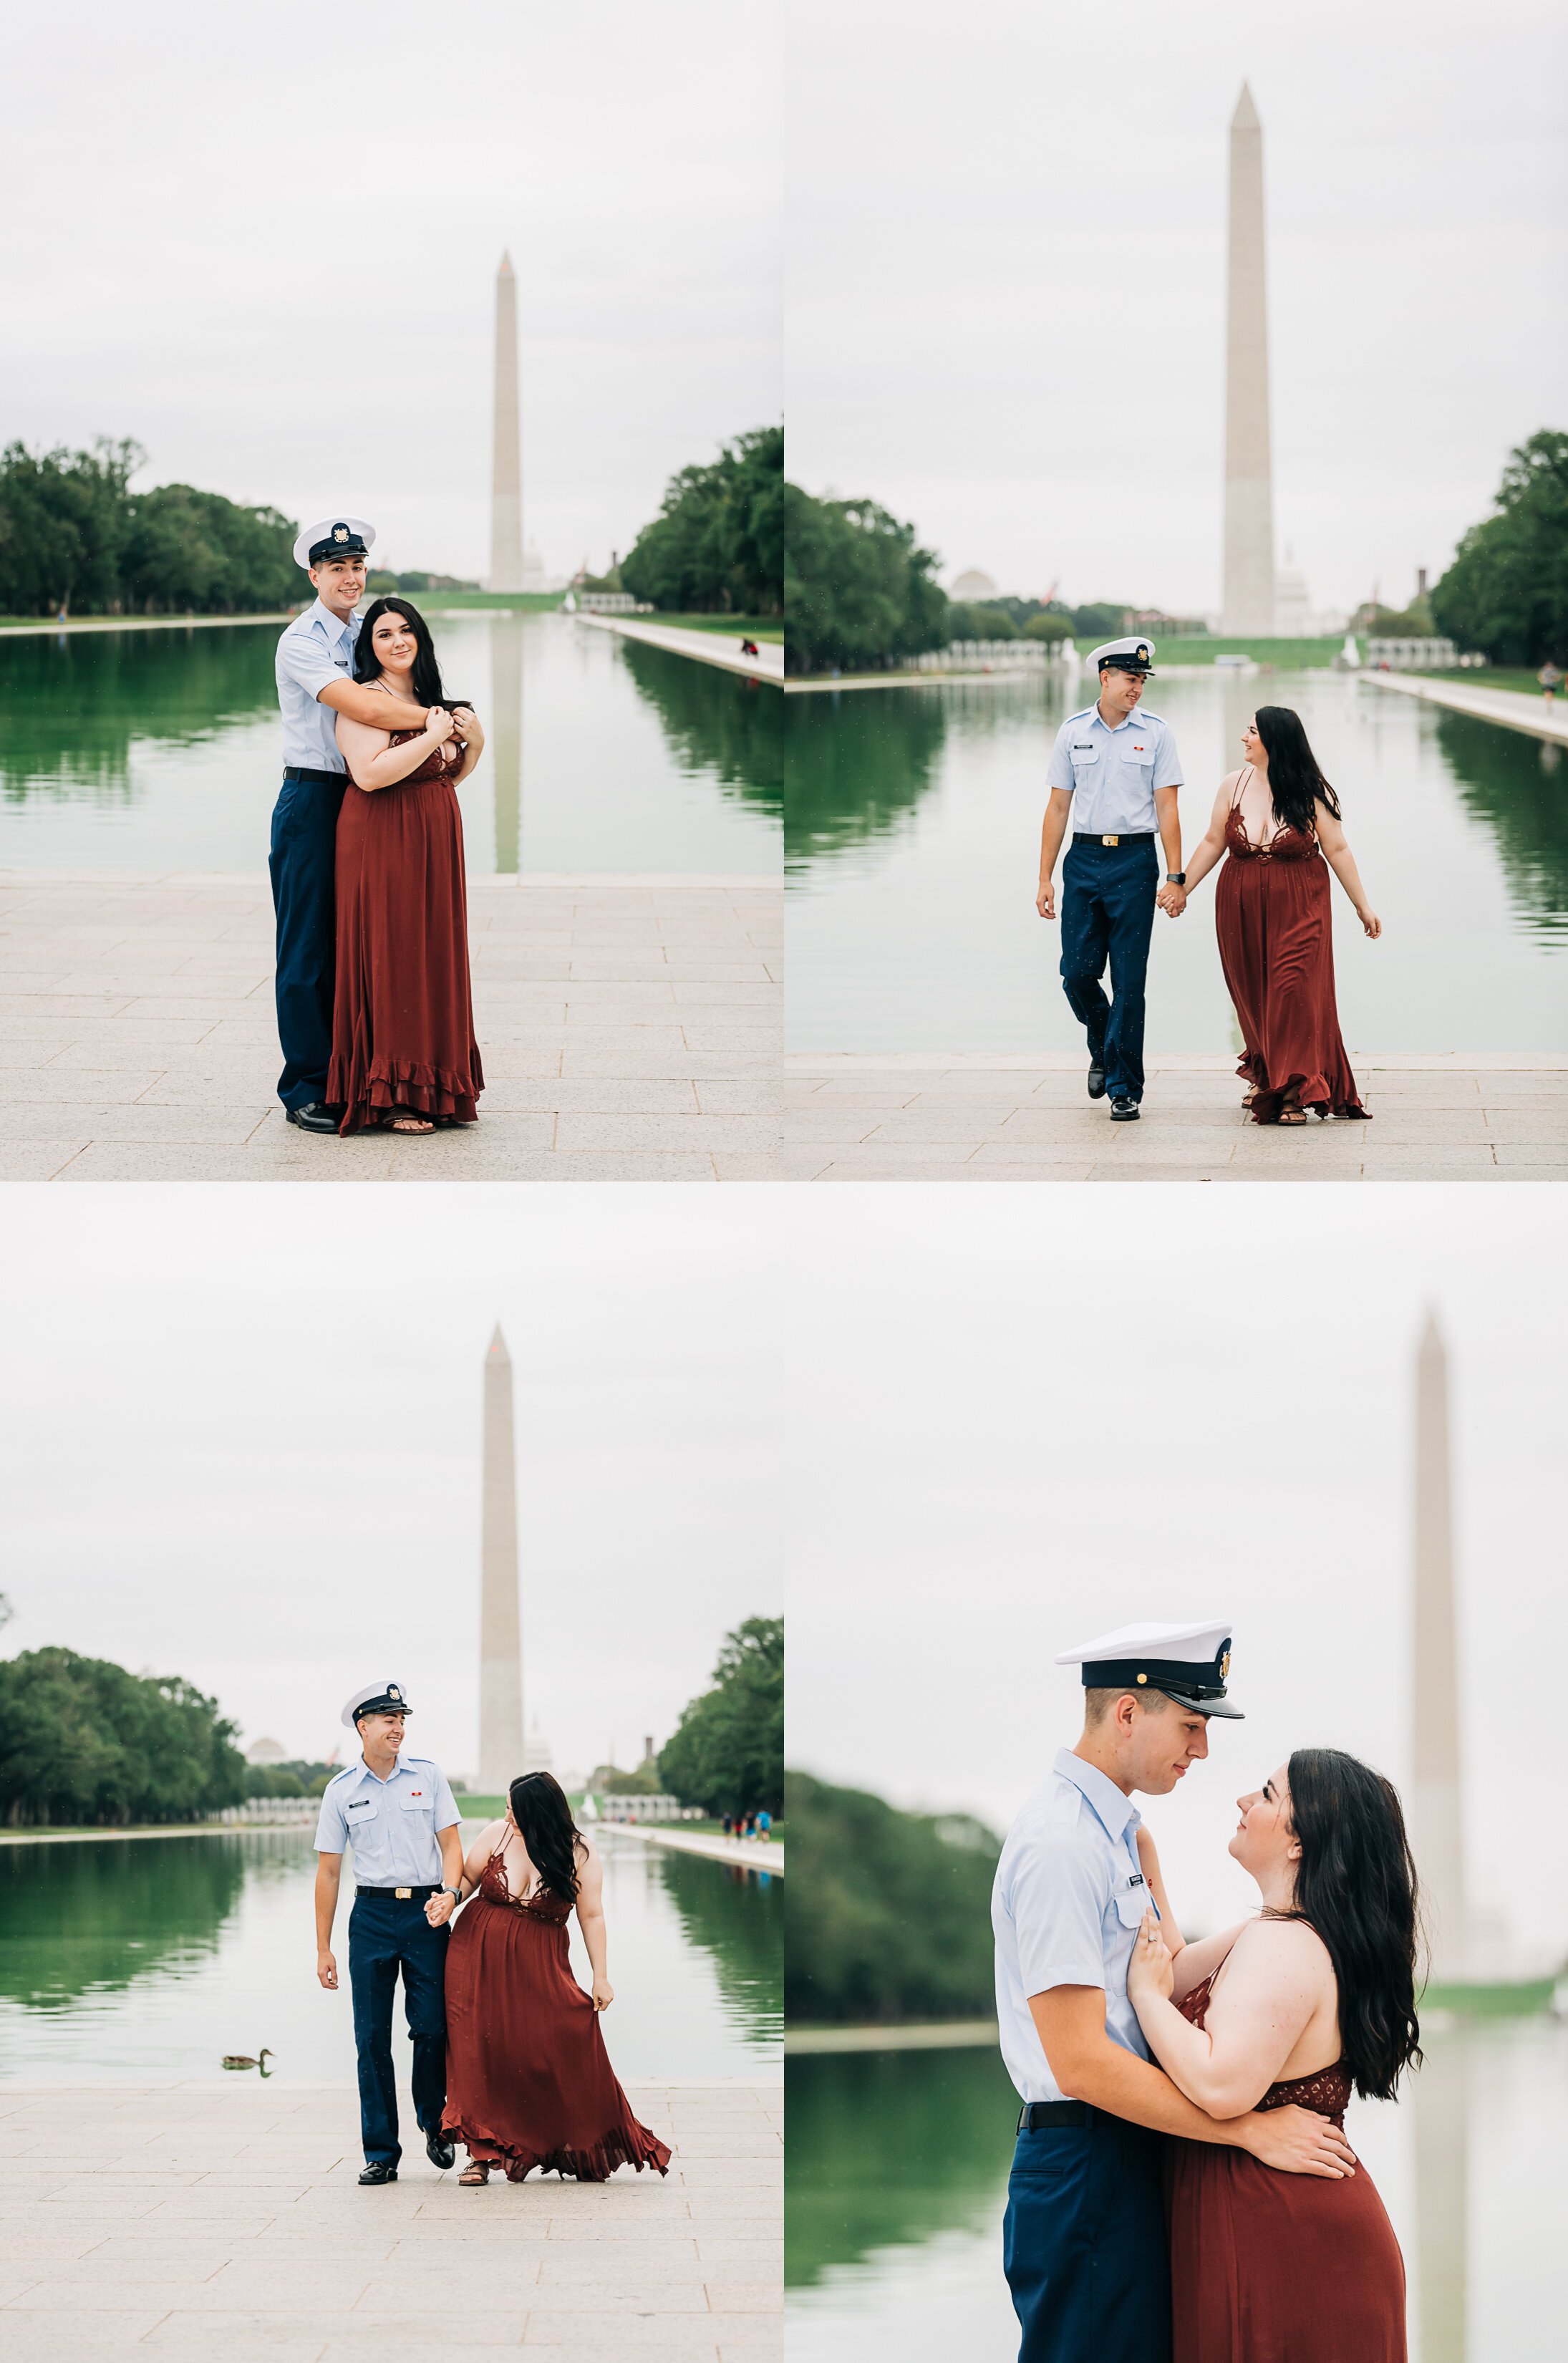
(437,764)
(1286,844)
(1327,2092)
(544,1903)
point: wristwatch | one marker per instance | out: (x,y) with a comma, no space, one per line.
(1176,878)
(453,1893)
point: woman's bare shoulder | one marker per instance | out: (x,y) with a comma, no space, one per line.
(1285,1944)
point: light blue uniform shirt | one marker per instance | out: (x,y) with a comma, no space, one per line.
(1112,774)
(1067,1903)
(392,1824)
(316,648)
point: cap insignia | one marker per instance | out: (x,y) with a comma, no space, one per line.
(1142,653)
(393,1690)
(339,533)
(1225,1666)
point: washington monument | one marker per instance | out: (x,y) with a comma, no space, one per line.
(506,471)
(1249,473)
(501,1645)
(1436,1800)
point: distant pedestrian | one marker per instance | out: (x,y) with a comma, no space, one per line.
(1550,682)
(729,1824)
(763,1824)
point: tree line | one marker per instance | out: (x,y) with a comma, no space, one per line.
(83,1742)
(891,1913)
(1507,590)
(717,545)
(726,1754)
(74,538)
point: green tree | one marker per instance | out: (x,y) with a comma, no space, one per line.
(858,590)
(717,546)
(73,535)
(82,1740)
(728,1752)
(1507,592)
(889,1915)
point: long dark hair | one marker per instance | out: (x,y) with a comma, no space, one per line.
(1295,782)
(543,1815)
(427,683)
(1357,1885)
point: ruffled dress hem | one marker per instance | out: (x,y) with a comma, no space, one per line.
(1312,1092)
(640,2149)
(392,1085)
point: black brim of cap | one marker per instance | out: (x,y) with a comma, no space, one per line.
(1220,1707)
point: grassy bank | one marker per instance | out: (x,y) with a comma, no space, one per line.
(1283,656)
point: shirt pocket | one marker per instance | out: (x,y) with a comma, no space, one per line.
(1139,760)
(419,1802)
(1131,1903)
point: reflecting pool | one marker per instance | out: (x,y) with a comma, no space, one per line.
(896,2181)
(151,1957)
(912,852)
(162,750)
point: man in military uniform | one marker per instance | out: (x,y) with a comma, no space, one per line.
(1115,773)
(315,683)
(1084,2243)
(396,1811)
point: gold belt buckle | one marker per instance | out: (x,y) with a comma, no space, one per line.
(403,1894)
(1110,840)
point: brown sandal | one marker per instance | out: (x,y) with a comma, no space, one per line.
(474,2176)
(409,1120)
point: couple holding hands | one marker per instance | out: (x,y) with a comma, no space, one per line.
(375,1008)
(1114,775)
(1182,2190)
(508,2056)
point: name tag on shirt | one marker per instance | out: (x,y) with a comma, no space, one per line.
(358,1804)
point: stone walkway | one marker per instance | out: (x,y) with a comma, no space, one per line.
(855,1118)
(1507,707)
(629,1028)
(709,648)
(751,1852)
(225,2220)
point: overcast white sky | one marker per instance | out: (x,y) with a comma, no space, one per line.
(1006,294)
(1032,1416)
(242,1444)
(264,244)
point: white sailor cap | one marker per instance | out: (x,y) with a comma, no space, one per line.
(1134,655)
(341,537)
(375,1698)
(1191,1663)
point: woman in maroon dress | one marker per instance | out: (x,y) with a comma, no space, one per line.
(1312,2001)
(1278,819)
(528,2080)
(403,1053)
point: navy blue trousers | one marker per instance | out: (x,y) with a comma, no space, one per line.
(302,863)
(1084,2245)
(1108,914)
(386,1935)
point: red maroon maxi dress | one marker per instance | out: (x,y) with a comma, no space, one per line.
(1272,2267)
(402,1027)
(528,2080)
(1276,947)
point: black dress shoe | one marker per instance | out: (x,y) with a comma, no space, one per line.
(312,1117)
(1097,1076)
(375,2172)
(1123,1111)
(440,2149)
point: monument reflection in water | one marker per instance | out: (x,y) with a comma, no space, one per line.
(898,2170)
(912,851)
(162,750)
(151,1957)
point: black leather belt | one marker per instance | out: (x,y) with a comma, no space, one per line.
(1040,2116)
(1128,836)
(320,780)
(404,1893)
